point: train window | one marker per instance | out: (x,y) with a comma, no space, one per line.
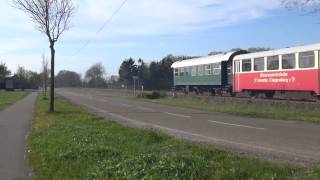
(306,59)
(273,63)
(258,64)
(181,72)
(246,65)
(200,70)
(176,72)
(208,69)
(193,70)
(216,68)
(288,61)
(186,71)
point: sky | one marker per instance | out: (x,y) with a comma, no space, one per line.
(152,29)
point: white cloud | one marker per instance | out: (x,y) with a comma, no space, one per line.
(15,45)
(153,17)
(21,44)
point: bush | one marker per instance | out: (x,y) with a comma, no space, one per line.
(153,95)
(142,95)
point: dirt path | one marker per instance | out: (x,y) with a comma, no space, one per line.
(15,123)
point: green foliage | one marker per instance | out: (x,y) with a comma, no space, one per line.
(157,75)
(152,95)
(4,72)
(73,144)
(8,98)
(127,70)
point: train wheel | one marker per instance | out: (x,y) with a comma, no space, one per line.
(213,92)
(219,92)
(253,94)
(197,92)
(269,95)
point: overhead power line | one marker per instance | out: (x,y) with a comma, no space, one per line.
(107,22)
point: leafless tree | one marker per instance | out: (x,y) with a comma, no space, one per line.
(310,6)
(96,76)
(51,17)
(45,74)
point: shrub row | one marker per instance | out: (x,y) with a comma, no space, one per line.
(152,95)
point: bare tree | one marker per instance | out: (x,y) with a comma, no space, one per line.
(51,17)
(45,75)
(310,6)
(96,76)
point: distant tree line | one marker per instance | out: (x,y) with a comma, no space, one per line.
(26,79)
(95,77)
(23,79)
(156,75)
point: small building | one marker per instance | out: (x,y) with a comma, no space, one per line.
(10,82)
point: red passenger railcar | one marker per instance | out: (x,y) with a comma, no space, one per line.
(290,69)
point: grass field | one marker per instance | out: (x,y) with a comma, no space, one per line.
(250,109)
(8,98)
(73,144)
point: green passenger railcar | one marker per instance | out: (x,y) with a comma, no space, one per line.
(211,73)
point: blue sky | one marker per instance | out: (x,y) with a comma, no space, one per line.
(151,29)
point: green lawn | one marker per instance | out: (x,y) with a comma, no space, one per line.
(74,144)
(8,98)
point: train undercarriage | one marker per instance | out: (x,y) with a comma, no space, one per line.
(228,91)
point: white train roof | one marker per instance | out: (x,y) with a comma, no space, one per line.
(289,50)
(203,60)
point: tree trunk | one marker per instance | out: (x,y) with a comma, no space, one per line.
(45,83)
(52,78)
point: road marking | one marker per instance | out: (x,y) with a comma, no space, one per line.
(102,100)
(144,108)
(237,125)
(95,108)
(177,115)
(126,105)
(204,138)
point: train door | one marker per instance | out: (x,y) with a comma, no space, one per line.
(236,76)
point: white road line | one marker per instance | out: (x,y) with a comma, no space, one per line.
(237,125)
(126,105)
(95,109)
(202,137)
(144,108)
(177,115)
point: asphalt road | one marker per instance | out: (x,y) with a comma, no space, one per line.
(15,123)
(290,141)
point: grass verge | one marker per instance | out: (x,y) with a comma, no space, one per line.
(73,144)
(8,98)
(249,108)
